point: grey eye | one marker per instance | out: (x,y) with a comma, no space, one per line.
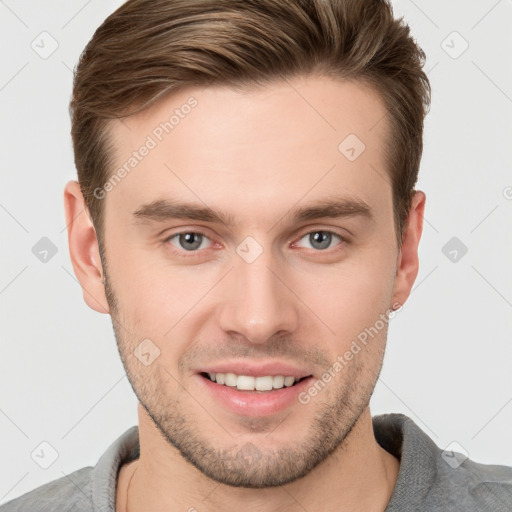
(189,241)
(320,240)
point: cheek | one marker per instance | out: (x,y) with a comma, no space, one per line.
(148,290)
(352,297)
(161,303)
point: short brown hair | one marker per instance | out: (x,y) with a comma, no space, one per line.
(149,48)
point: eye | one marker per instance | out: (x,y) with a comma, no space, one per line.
(188,240)
(321,239)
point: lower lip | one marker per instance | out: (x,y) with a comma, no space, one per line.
(253,403)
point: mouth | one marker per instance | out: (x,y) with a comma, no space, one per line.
(253,388)
(254,384)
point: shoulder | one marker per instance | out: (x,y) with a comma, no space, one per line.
(461,480)
(433,479)
(69,493)
(90,489)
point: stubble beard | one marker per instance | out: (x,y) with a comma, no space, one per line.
(249,465)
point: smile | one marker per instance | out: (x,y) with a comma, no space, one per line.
(250,383)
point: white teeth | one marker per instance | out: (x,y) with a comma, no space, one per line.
(263,383)
(245,383)
(249,383)
(288,381)
(278,382)
(230,379)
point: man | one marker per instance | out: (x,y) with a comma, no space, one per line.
(246,213)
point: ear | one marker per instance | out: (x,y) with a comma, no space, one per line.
(407,262)
(84,249)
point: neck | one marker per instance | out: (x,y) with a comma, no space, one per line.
(364,476)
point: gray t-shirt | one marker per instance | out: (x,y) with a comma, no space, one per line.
(429,480)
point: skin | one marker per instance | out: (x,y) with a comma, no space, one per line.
(255,154)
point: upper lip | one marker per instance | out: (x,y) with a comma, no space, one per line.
(257,369)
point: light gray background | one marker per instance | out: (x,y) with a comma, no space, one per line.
(449,353)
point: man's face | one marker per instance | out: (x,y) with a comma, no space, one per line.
(266,294)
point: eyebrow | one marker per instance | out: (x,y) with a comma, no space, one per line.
(331,207)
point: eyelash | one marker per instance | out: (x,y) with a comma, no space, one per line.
(191,254)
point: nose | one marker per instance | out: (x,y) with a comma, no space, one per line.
(258,304)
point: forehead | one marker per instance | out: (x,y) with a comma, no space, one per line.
(274,145)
